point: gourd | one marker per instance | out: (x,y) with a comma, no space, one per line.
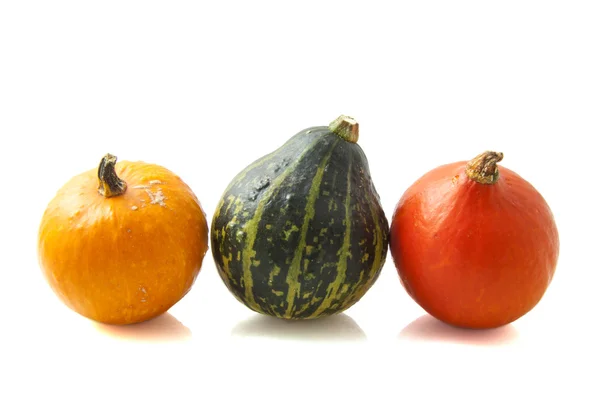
(123,243)
(300,233)
(474,243)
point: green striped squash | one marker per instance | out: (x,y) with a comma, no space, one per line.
(300,233)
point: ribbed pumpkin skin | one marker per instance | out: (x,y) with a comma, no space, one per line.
(300,233)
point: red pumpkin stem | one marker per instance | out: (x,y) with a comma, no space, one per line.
(346,128)
(484,169)
(109,184)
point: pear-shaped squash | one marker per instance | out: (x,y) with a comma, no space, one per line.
(300,233)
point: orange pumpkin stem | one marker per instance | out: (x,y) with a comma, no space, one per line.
(346,128)
(109,184)
(484,169)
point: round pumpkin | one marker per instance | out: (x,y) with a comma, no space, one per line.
(123,243)
(474,243)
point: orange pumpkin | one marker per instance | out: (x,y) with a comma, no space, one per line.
(124,243)
(475,244)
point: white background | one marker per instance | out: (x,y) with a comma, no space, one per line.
(204,88)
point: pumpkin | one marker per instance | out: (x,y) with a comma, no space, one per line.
(474,243)
(300,233)
(123,243)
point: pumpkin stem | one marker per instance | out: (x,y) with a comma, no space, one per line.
(484,169)
(346,128)
(109,184)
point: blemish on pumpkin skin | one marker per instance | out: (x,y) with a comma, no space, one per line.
(157,197)
(148,186)
(144,293)
(455,179)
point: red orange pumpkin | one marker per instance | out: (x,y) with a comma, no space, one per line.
(123,243)
(474,243)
